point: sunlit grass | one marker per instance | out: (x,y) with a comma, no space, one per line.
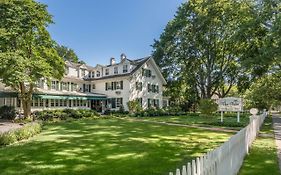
(263,154)
(105,147)
(230,122)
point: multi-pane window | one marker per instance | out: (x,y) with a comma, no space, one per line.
(119,102)
(149,88)
(93,74)
(61,102)
(149,103)
(98,73)
(139,86)
(64,102)
(106,71)
(64,86)
(152,88)
(125,68)
(53,85)
(83,72)
(115,70)
(52,102)
(66,70)
(47,102)
(146,72)
(41,102)
(35,102)
(93,86)
(40,83)
(156,103)
(114,85)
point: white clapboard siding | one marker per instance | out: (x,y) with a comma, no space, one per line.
(228,158)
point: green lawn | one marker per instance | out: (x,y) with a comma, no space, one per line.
(230,122)
(263,155)
(105,147)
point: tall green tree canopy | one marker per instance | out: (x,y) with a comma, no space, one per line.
(67,53)
(214,45)
(27,52)
(265,92)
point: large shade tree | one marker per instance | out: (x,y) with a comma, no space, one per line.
(68,54)
(27,52)
(216,45)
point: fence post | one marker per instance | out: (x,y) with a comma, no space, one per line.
(193,167)
(188,168)
(183,172)
(178,172)
(228,158)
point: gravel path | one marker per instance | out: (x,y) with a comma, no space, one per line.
(6,126)
(277,133)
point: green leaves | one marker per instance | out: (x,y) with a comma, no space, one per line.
(27,52)
(210,45)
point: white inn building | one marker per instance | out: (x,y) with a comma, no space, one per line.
(99,88)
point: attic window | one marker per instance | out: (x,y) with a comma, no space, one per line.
(125,68)
(98,73)
(115,70)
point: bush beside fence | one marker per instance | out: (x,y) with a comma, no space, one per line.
(228,158)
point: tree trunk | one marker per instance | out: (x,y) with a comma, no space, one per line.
(26,105)
(26,99)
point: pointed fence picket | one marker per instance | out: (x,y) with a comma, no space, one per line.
(228,158)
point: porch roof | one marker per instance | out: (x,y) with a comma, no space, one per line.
(91,96)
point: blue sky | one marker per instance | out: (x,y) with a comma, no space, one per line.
(100,29)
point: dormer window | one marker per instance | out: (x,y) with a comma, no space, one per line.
(83,72)
(106,71)
(66,70)
(115,70)
(125,68)
(98,73)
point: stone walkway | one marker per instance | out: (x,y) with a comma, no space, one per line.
(7,125)
(277,132)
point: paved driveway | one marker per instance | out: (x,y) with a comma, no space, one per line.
(6,126)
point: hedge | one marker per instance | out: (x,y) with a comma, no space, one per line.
(25,132)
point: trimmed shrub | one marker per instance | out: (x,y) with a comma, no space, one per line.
(134,106)
(51,115)
(207,106)
(25,132)
(8,112)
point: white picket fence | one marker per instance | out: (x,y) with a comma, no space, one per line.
(228,158)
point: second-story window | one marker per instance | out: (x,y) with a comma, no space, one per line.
(66,70)
(125,68)
(98,73)
(115,70)
(83,73)
(93,74)
(149,87)
(106,71)
(139,86)
(53,85)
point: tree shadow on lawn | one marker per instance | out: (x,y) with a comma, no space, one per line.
(262,158)
(105,147)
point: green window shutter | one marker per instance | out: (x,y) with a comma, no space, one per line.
(106,86)
(121,84)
